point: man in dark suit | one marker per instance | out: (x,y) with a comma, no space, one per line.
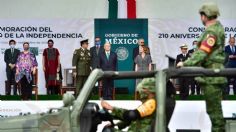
(193,83)
(107,62)
(230,51)
(95,51)
(184,82)
(10,57)
(81,59)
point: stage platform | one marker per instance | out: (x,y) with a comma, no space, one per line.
(188,115)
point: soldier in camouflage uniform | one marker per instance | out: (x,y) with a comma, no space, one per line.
(140,119)
(81,59)
(210,55)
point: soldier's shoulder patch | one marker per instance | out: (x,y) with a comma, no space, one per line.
(211,40)
(208,43)
(147,108)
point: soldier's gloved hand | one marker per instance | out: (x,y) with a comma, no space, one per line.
(180,64)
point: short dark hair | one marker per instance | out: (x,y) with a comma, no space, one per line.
(50,40)
(83,42)
(25,43)
(208,17)
(194,41)
(12,40)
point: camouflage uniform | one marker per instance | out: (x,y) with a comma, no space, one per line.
(147,117)
(210,55)
(81,59)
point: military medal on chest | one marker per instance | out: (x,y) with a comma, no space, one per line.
(82,53)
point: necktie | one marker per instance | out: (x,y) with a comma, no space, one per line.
(233,49)
(108,54)
(97,49)
(12,51)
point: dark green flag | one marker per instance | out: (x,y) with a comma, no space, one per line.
(113,9)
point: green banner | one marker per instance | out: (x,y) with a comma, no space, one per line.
(123,34)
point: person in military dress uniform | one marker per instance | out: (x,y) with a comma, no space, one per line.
(184,82)
(81,59)
(210,55)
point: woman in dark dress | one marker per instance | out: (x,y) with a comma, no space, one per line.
(143,62)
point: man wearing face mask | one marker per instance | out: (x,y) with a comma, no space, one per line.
(10,57)
(95,51)
(51,66)
(190,52)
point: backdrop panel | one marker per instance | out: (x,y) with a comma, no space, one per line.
(123,34)
(163,36)
(65,33)
(167,35)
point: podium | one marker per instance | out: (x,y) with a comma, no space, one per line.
(69,83)
(171,61)
(172,64)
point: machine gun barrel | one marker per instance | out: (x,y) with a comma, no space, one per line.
(128,74)
(199,71)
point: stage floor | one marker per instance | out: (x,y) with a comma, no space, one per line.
(187,114)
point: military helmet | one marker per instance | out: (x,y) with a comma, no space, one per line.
(68,99)
(210,9)
(146,83)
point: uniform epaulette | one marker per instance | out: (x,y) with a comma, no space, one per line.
(76,50)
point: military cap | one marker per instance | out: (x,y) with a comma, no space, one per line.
(184,46)
(210,9)
(146,83)
(83,42)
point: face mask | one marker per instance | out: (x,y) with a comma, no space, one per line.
(12,46)
(98,43)
(194,46)
(50,46)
